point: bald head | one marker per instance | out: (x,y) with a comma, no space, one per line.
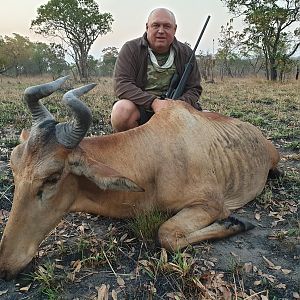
(164,11)
(161,28)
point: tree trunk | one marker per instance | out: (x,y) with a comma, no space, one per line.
(273,69)
(84,69)
(267,69)
(274,73)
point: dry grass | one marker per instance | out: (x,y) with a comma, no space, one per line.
(89,257)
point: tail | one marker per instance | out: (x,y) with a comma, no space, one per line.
(274,172)
(274,155)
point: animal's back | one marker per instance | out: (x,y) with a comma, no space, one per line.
(225,152)
(241,158)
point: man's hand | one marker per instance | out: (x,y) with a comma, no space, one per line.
(159,104)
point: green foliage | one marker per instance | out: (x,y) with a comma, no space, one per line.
(14,51)
(229,43)
(77,22)
(50,283)
(107,64)
(294,145)
(146,225)
(267,22)
(18,55)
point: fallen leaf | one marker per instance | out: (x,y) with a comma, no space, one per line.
(77,266)
(293,209)
(3,292)
(257,282)
(25,289)
(271,278)
(209,264)
(114,295)
(286,271)
(71,277)
(103,292)
(198,283)
(163,256)
(296,295)
(4,213)
(268,262)
(60,267)
(271,265)
(242,295)
(120,281)
(81,228)
(248,267)
(257,216)
(129,240)
(123,237)
(281,286)
(233,254)
(226,294)
(176,295)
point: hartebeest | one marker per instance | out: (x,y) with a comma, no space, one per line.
(197,165)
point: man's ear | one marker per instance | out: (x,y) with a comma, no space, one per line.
(104,177)
(24,135)
(146,26)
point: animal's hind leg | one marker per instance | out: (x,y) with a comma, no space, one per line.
(195,224)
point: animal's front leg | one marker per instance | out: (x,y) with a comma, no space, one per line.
(198,223)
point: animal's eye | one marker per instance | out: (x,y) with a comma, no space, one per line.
(53,179)
(40,194)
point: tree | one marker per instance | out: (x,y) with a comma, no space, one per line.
(14,52)
(39,62)
(25,57)
(109,58)
(4,64)
(207,62)
(56,60)
(78,23)
(267,24)
(48,59)
(229,43)
(254,57)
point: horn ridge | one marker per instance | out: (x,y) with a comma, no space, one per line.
(71,133)
(33,94)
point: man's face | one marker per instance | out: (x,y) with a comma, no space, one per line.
(160,29)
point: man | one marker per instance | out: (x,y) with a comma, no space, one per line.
(144,69)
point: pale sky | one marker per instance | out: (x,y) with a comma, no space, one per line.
(130,18)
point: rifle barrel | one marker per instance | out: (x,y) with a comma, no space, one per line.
(188,67)
(200,37)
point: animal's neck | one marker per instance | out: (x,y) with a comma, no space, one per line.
(128,154)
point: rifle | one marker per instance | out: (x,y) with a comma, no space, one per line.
(176,88)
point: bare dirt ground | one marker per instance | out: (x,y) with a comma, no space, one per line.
(91,257)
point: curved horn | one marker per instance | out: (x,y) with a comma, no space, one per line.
(71,133)
(33,94)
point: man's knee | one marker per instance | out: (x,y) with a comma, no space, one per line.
(124,115)
(123,109)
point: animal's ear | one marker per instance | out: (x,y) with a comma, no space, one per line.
(24,135)
(103,176)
